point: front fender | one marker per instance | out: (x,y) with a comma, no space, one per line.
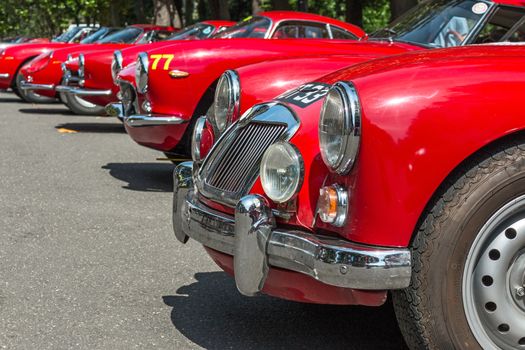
(418,126)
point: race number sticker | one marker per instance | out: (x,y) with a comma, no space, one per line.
(480,8)
(306,94)
(157,58)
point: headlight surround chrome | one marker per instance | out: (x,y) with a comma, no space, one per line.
(226,104)
(340,127)
(116,65)
(281,171)
(141,72)
(81,66)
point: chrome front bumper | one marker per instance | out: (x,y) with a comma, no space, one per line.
(4,75)
(24,85)
(152,120)
(255,243)
(81,91)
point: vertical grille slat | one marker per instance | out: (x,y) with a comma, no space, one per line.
(232,168)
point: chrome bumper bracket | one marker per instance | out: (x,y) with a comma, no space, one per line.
(115,109)
(255,243)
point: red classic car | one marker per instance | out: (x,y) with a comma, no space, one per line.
(417,187)
(267,25)
(98,68)
(41,75)
(158,118)
(13,57)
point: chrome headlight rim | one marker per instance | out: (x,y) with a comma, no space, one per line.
(290,195)
(116,65)
(142,73)
(231,78)
(81,66)
(196,140)
(351,128)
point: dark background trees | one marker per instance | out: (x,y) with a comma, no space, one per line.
(49,17)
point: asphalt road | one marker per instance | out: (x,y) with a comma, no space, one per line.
(88,259)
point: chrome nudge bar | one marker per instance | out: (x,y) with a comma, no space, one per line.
(255,242)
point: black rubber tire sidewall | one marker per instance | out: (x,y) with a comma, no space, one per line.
(77,108)
(443,313)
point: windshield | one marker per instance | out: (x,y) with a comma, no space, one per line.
(196,31)
(252,27)
(99,34)
(437,23)
(67,36)
(124,36)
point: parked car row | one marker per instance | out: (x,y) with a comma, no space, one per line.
(331,166)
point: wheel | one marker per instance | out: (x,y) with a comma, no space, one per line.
(468,274)
(80,106)
(29,95)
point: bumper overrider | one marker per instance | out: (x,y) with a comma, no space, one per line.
(256,243)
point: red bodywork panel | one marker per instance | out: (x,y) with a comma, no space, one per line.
(418,125)
(206,63)
(302,288)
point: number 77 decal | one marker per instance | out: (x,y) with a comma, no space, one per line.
(157,58)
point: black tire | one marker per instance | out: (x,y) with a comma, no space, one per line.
(431,311)
(29,95)
(82,107)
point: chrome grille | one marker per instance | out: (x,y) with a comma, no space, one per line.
(232,166)
(243,155)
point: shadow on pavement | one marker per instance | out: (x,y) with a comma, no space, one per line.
(94,127)
(147,177)
(212,314)
(46,111)
(14,99)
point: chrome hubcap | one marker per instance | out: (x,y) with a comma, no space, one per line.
(494,280)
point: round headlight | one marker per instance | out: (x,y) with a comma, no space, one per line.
(340,127)
(281,171)
(116,65)
(141,72)
(227,100)
(81,66)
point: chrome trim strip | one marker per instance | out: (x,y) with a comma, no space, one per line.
(256,243)
(4,75)
(152,120)
(82,92)
(115,109)
(24,85)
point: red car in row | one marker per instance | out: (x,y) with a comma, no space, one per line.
(41,75)
(13,57)
(407,175)
(43,79)
(101,90)
(156,117)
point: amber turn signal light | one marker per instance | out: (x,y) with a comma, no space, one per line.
(332,205)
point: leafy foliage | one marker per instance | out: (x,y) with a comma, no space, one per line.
(45,18)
